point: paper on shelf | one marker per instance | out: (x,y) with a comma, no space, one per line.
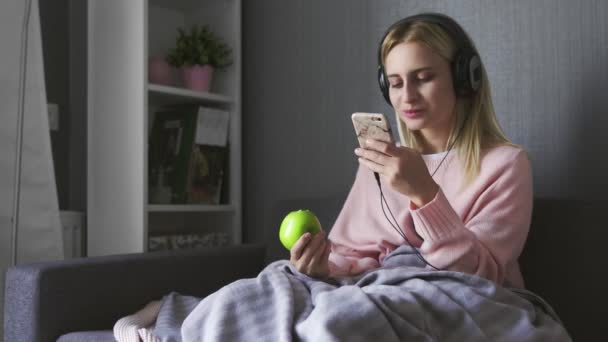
(212,127)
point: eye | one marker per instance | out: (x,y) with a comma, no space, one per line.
(395,84)
(424,76)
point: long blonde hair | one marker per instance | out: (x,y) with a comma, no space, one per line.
(475,115)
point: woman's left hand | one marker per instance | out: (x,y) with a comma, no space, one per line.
(402,168)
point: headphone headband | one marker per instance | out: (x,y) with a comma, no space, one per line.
(466,64)
(448,24)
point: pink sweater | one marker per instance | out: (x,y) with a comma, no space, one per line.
(480,229)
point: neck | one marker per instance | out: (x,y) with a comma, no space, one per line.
(433,142)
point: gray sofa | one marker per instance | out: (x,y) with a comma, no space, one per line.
(563,261)
(81,299)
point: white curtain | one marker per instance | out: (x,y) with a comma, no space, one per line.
(39,229)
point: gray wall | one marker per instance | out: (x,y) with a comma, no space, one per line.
(309,64)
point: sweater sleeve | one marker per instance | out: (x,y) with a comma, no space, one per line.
(354,248)
(492,235)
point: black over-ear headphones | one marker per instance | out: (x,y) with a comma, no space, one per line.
(466,65)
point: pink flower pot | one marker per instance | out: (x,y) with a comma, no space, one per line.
(197,77)
(159,71)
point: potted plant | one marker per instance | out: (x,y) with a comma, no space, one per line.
(198,53)
(159,71)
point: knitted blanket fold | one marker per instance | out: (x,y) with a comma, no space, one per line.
(400,301)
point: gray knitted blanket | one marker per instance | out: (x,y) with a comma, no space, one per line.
(401,301)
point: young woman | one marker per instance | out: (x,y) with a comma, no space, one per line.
(459,190)
(461,194)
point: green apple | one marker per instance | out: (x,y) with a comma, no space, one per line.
(296,224)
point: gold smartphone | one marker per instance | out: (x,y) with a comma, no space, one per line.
(372,125)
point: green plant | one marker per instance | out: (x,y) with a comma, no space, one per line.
(199,46)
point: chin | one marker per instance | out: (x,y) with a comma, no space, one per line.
(413,125)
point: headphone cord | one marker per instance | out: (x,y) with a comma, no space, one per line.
(396,225)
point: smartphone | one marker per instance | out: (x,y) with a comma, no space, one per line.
(372,125)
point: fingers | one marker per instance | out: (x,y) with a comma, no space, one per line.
(298,248)
(313,248)
(322,254)
(375,167)
(307,256)
(372,156)
(378,152)
(382,147)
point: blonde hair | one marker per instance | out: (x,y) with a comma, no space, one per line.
(475,113)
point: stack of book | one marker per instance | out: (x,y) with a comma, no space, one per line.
(186,241)
(188,152)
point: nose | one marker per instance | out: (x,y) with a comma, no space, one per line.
(409,92)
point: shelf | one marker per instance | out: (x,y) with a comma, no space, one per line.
(190,208)
(120,217)
(180,5)
(163,95)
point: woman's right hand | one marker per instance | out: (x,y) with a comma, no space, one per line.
(310,255)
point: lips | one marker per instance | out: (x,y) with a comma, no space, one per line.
(411,113)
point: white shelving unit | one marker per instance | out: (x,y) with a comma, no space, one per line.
(190,208)
(164,95)
(123,35)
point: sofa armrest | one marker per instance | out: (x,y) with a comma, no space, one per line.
(48,299)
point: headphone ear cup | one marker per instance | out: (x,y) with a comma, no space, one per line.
(459,73)
(475,72)
(382,82)
(466,70)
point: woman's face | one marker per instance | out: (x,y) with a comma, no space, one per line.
(420,88)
